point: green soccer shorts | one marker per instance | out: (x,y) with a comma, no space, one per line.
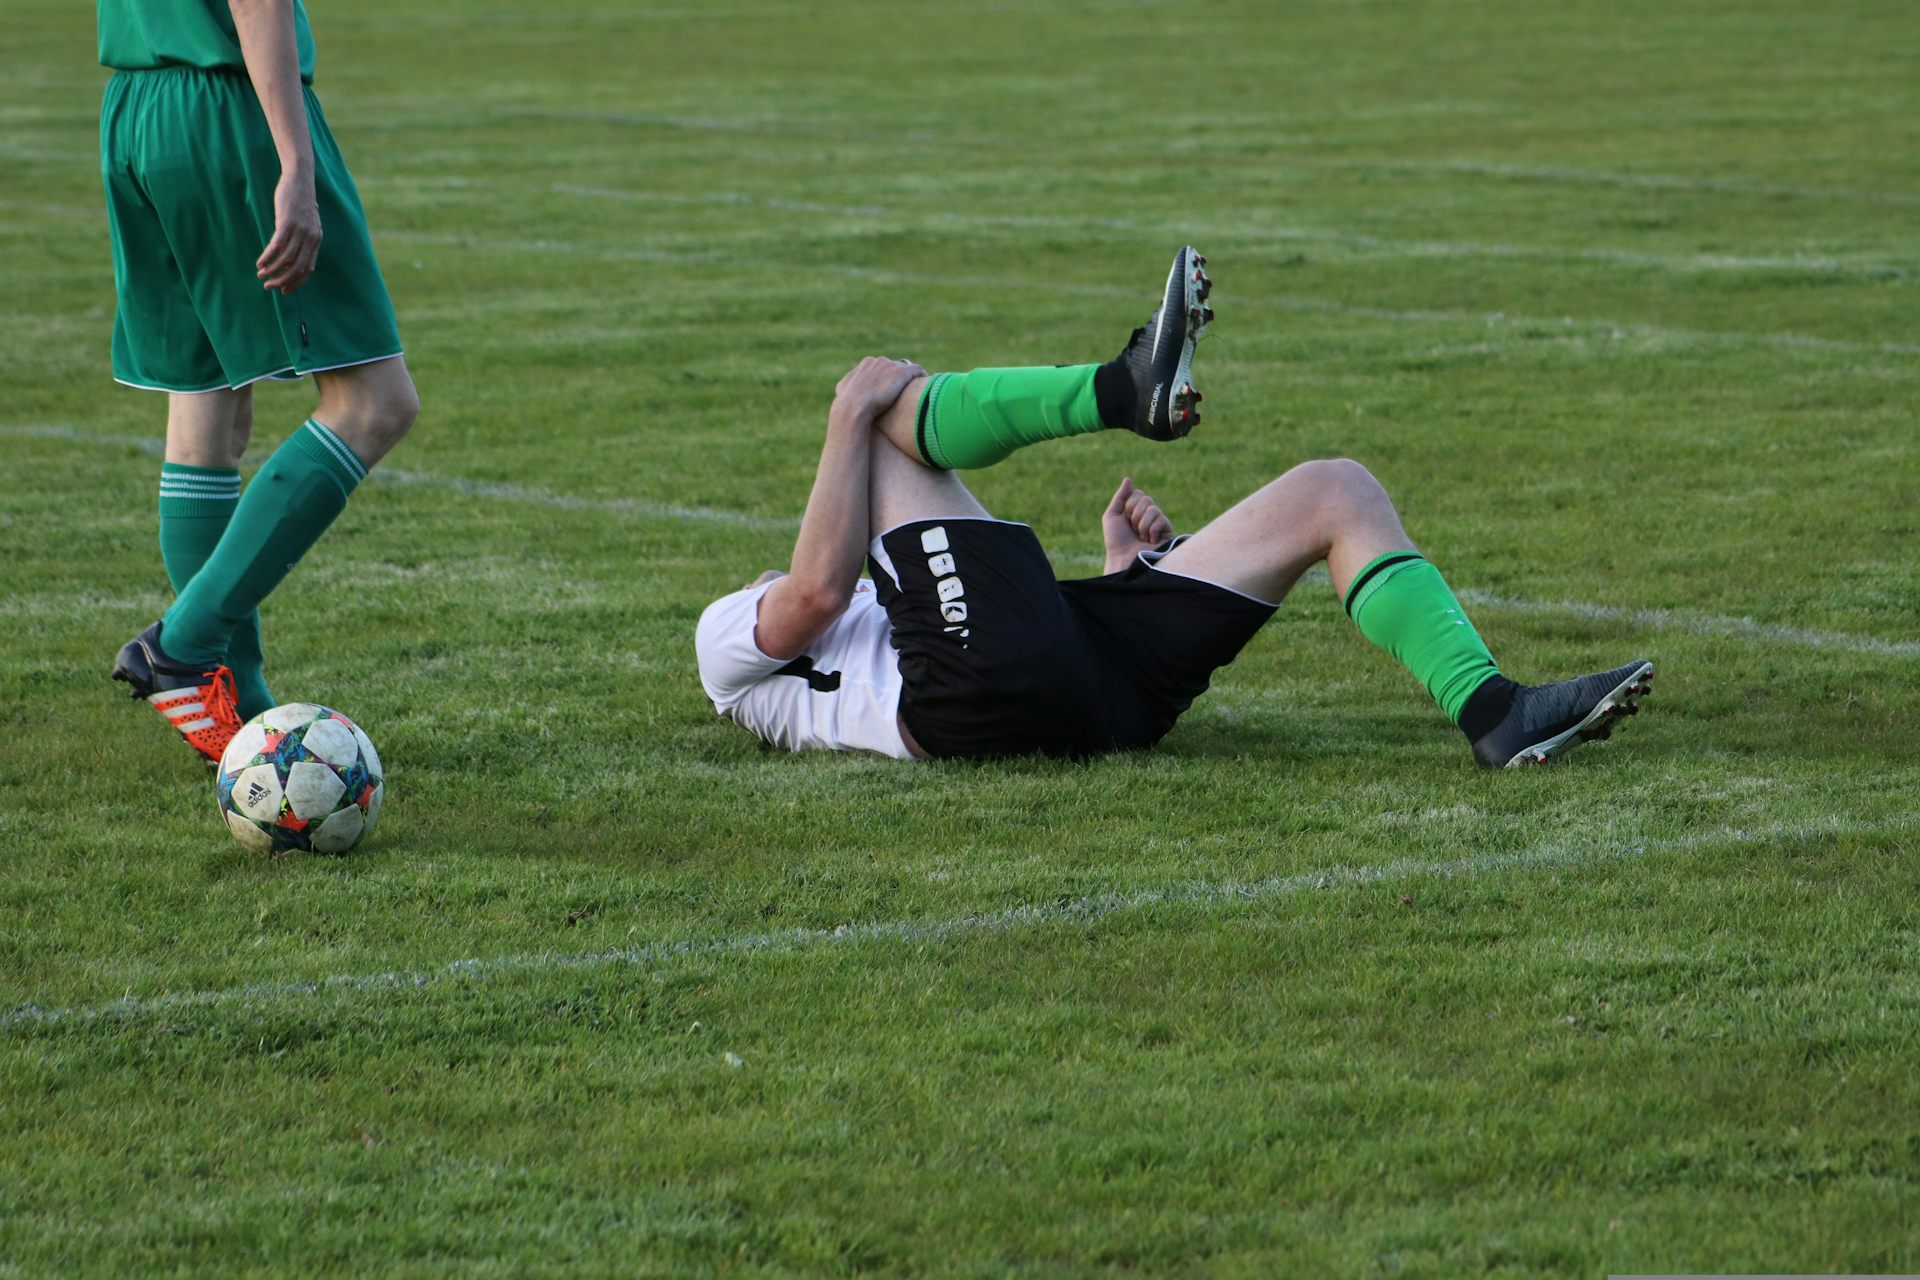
(190,170)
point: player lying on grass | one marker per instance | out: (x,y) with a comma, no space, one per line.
(221,180)
(963,643)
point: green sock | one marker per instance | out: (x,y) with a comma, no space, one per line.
(1401,603)
(196,503)
(971,420)
(293,498)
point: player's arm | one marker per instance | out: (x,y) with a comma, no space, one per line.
(832,545)
(1132,523)
(267,43)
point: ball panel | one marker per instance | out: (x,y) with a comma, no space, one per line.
(257,793)
(332,741)
(248,833)
(340,831)
(289,716)
(313,790)
(245,746)
(368,756)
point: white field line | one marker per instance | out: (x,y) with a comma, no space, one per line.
(1705,624)
(1604,330)
(1702,624)
(1076,912)
(520,493)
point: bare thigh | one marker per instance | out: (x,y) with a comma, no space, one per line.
(1331,510)
(903,488)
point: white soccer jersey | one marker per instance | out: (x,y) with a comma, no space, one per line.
(842,694)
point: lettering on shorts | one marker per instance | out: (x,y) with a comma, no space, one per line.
(947,586)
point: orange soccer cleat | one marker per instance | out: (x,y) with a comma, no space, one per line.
(197,700)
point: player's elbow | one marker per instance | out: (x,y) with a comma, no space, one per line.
(794,616)
(820,602)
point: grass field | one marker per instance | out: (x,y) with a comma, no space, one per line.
(1619,302)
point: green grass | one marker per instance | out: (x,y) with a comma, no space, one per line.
(1619,302)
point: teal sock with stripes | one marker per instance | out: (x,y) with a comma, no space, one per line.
(292,499)
(196,505)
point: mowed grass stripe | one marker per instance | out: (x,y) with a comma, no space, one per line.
(1081,912)
(1687,621)
(1205,229)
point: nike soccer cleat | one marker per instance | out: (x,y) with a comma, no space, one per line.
(197,700)
(1160,355)
(1548,720)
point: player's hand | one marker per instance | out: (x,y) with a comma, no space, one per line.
(1132,523)
(871,387)
(288,258)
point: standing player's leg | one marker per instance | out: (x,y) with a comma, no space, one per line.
(1337,512)
(298,492)
(194,315)
(207,434)
(964,421)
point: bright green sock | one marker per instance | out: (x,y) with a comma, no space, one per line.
(293,498)
(1401,603)
(196,504)
(971,420)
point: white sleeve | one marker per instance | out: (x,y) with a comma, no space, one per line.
(730,662)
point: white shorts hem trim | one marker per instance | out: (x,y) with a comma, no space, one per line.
(286,374)
(1151,559)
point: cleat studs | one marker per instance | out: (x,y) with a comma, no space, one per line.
(1206,315)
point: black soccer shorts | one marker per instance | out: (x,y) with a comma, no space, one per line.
(999,658)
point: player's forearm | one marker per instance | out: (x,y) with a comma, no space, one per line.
(267,43)
(832,546)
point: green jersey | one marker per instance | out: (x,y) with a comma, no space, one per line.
(142,35)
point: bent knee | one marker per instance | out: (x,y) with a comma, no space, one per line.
(1339,475)
(374,417)
(1328,493)
(398,410)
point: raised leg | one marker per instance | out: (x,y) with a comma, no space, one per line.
(901,486)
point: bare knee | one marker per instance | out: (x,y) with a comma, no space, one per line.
(1327,498)
(1336,478)
(372,412)
(388,413)
(397,410)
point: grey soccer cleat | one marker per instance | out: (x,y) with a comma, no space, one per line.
(1159,356)
(1546,721)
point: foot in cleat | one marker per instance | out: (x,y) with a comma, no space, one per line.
(1546,721)
(197,699)
(1159,356)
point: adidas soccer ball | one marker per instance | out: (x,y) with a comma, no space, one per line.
(300,777)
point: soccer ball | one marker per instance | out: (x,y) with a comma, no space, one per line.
(300,777)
